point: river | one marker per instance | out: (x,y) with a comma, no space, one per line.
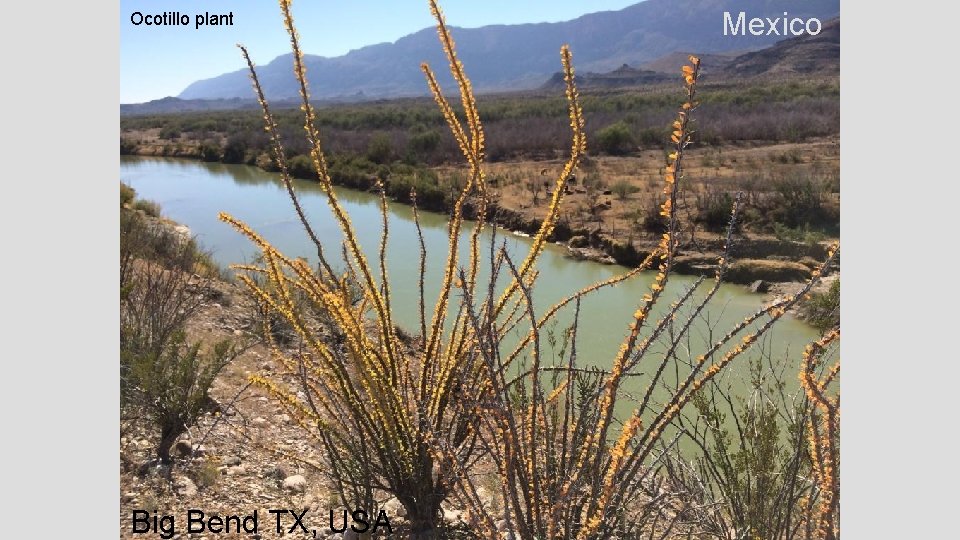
(192,193)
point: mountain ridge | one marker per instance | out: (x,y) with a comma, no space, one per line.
(600,41)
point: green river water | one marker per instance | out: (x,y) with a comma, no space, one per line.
(192,193)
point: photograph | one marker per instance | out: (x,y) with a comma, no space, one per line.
(442,269)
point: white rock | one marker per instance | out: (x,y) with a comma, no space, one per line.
(184,486)
(296,483)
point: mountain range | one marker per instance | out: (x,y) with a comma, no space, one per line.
(519,57)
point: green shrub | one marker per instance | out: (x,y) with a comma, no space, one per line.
(616,139)
(430,195)
(652,136)
(172,384)
(822,310)
(169,133)
(752,468)
(713,211)
(235,151)
(799,202)
(799,234)
(302,167)
(207,473)
(163,377)
(209,150)
(623,189)
(423,144)
(380,149)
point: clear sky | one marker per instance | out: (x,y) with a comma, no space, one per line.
(159,61)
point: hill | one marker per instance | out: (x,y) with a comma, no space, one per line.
(601,42)
(819,54)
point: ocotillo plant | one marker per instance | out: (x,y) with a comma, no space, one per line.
(375,406)
(824,433)
(565,468)
(415,422)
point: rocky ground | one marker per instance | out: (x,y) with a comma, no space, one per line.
(245,455)
(237,460)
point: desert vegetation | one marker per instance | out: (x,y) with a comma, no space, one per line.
(533,437)
(165,376)
(789,172)
(523,125)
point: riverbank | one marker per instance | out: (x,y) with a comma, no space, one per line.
(597,224)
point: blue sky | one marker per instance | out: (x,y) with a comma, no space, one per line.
(158,61)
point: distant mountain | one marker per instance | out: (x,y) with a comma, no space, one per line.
(172,104)
(513,57)
(804,54)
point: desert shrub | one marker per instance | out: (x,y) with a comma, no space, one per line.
(128,146)
(423,144)
(171,383)
(752,474)
(430,194)
(380,148)
(713,210)
(652,137)
(822,310)
(650,219)
(235,150)
(799,202)
(302,167)
(207,473)
(163,376)
(127,194)
(616,139)
(149,208)
(266,162)
(149,239)
(209,150)
(169,133)
(623,189)
(528,126)
(800,234)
